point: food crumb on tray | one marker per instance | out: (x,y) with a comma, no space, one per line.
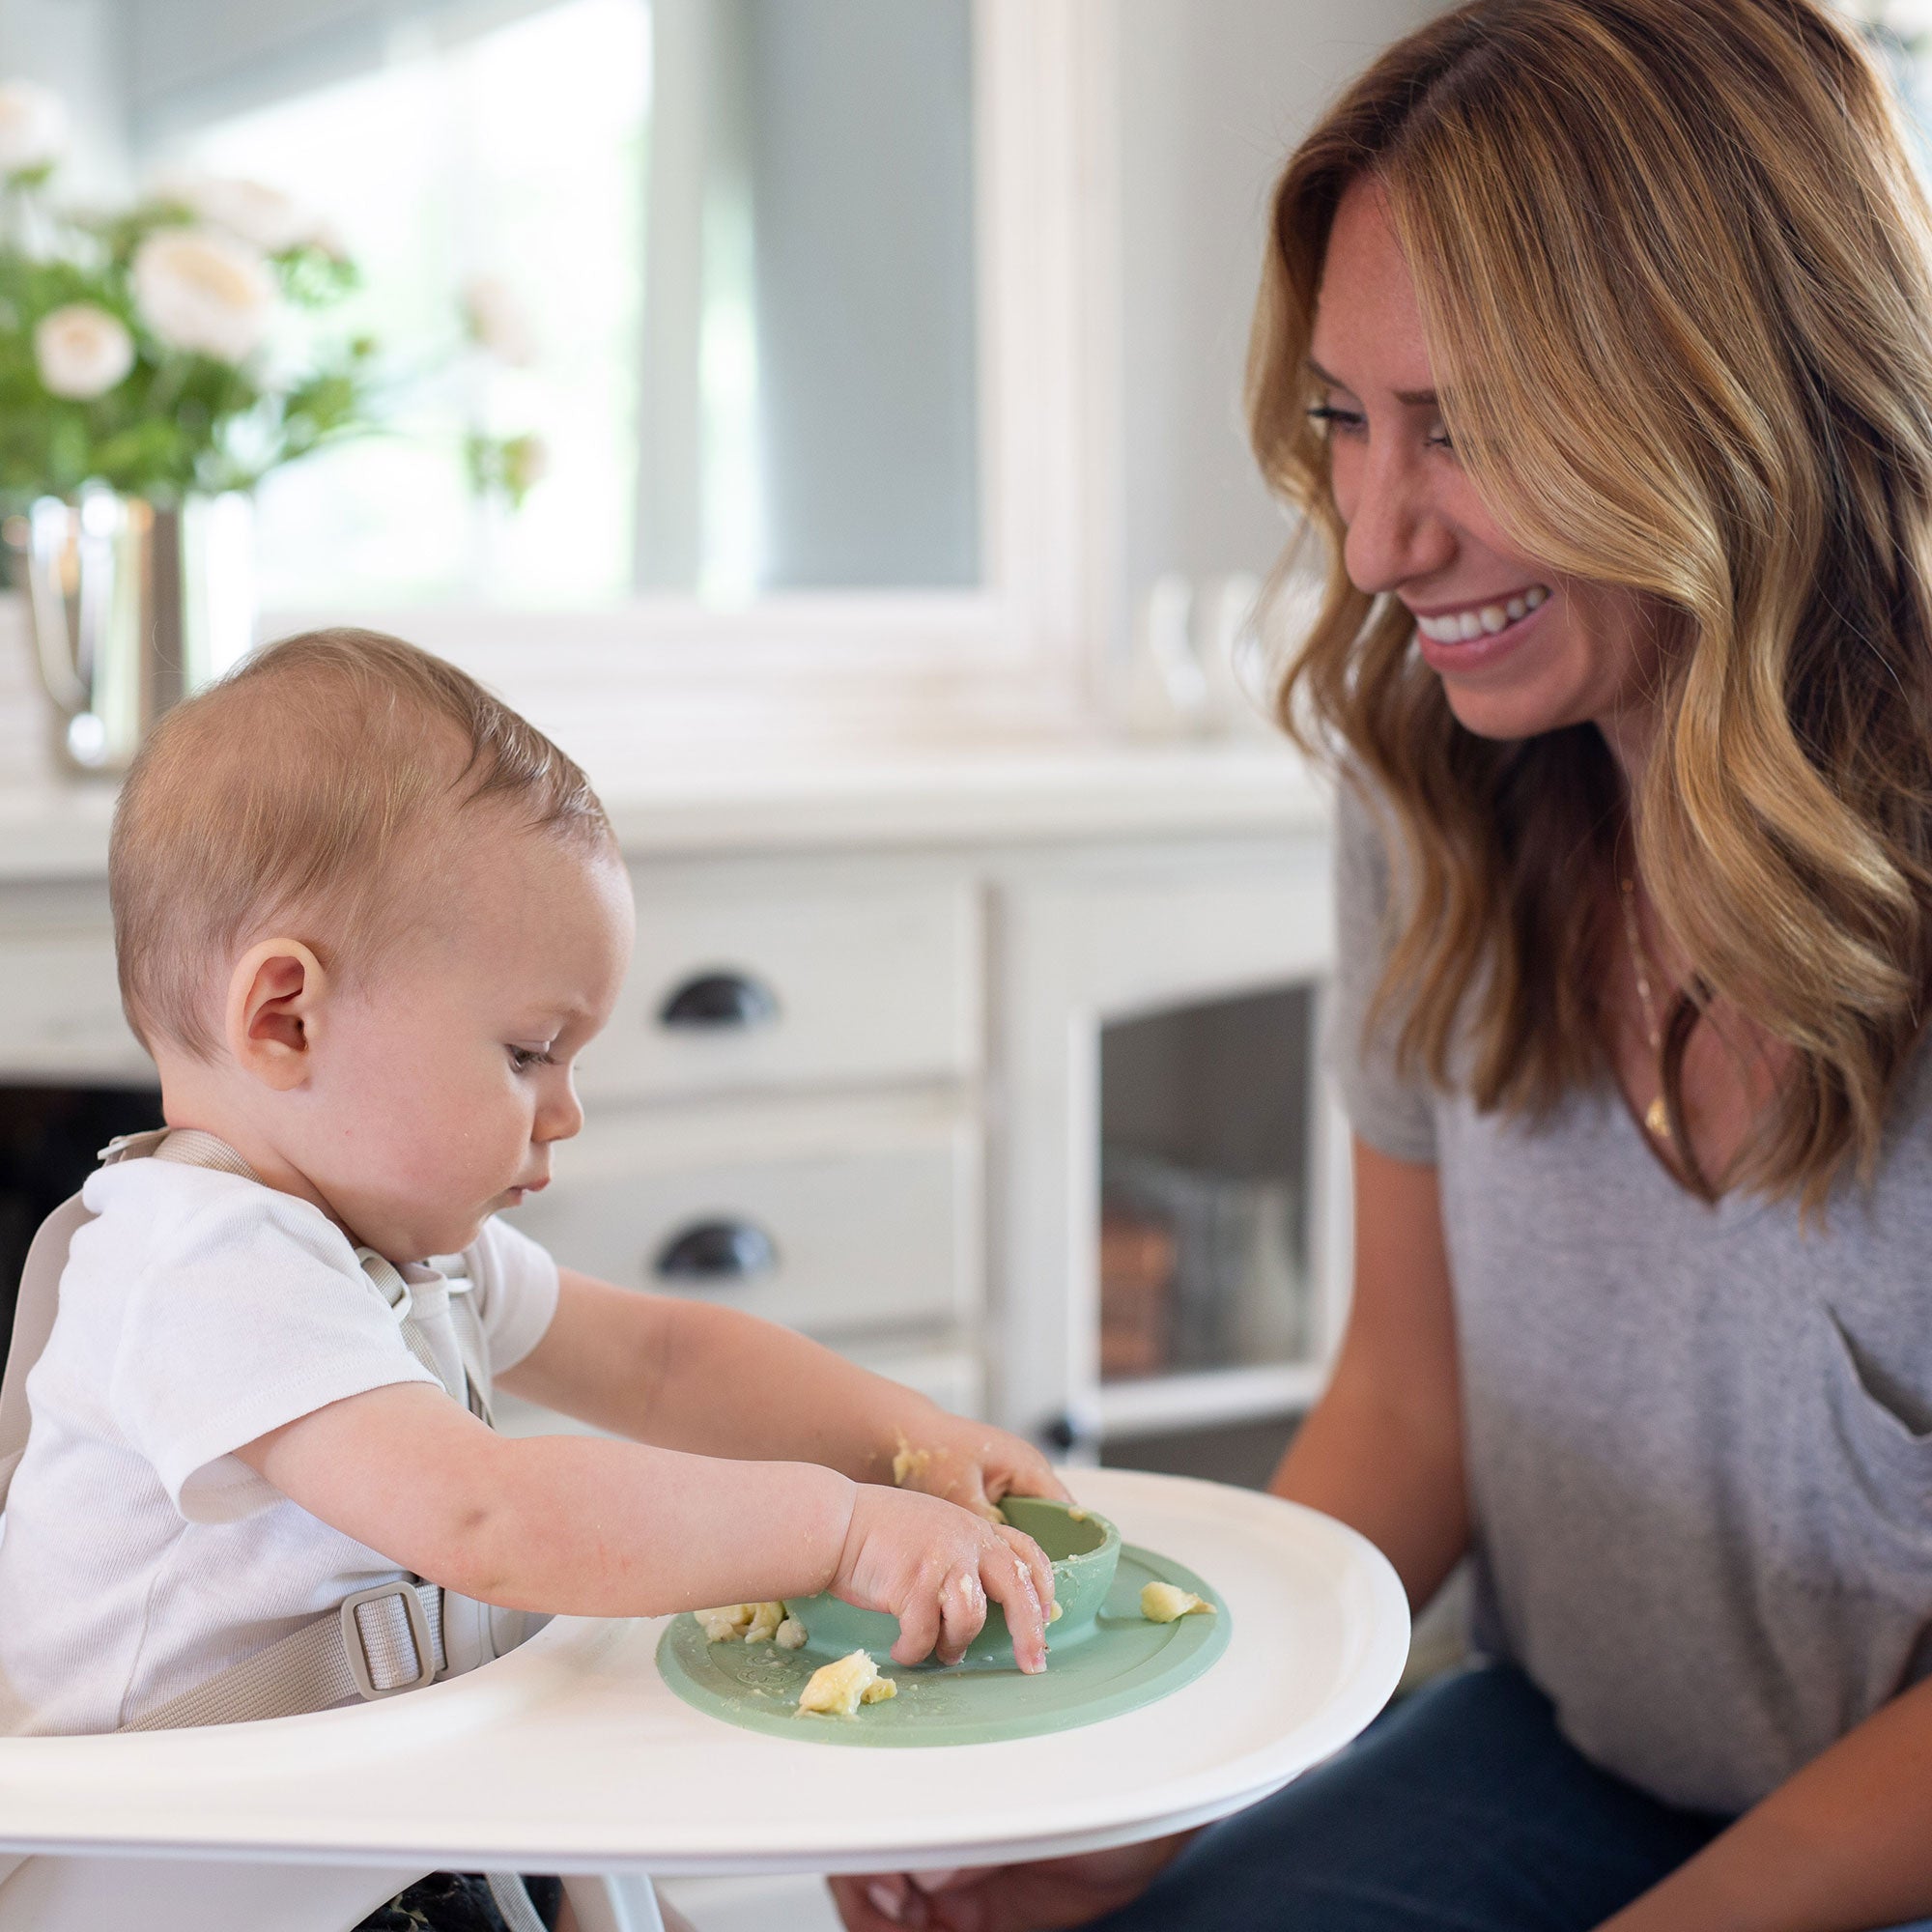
(1167,1603)
(749,1623)
(837,1690)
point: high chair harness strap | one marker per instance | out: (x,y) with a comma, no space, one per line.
(375,1643)
(460,1370)
(373,1646)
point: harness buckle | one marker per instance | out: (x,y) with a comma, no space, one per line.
(132,1147)
(388,1281)
(354,1644)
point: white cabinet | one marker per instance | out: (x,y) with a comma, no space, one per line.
(62,1010)
(835,1216)
(783,1114)
(60,1002)
(761,977)
(1137,934)
(880,1120)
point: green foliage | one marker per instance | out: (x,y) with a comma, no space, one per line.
(509,467)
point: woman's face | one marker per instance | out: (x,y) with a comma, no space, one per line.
(1520,647)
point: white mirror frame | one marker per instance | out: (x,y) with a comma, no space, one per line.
(1017,656)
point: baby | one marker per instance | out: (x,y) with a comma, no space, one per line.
(367,918)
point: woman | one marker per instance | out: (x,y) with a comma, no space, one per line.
(1593,336)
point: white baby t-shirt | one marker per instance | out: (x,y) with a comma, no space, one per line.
(197,1312)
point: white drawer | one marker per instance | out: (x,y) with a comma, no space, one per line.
(842,985)
(849,1216)
(62,1008)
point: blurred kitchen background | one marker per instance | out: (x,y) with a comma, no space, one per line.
(868,372)
(889,550)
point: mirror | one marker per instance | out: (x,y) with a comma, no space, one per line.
(720,253)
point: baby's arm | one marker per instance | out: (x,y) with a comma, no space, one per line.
(687,1374)
(598,1529)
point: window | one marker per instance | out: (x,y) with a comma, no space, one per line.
(515,159)
(743,234)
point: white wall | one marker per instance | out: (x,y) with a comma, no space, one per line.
(1213,95)
(77,49)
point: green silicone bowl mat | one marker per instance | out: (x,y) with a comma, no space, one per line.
(1124,1663)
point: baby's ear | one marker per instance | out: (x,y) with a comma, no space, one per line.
(274,998)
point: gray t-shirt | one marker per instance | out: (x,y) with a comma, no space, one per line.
(1699,1439)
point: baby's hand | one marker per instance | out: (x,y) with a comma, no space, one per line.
(971,1463)
(933,1566)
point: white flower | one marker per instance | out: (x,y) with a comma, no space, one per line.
(263,217)
(82,351)
(203,290)
(33,127)
(498,321)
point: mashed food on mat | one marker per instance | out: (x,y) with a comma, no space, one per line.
(749,1623)
(837,1690)
(1165,1603)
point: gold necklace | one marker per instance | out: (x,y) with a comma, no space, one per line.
(1657,1115)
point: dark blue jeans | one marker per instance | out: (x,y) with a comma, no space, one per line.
(1461,1811)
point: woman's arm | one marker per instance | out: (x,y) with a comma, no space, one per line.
(715,1381)
(1382,1450)
(1845,1843)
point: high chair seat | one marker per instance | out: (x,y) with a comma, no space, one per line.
(571,1754)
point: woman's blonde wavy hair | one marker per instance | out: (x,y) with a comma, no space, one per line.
(1672,263)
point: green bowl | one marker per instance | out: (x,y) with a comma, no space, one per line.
(1085,1550)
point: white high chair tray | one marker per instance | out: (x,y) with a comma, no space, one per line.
(573,1756)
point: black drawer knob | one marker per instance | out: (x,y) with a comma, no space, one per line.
(720,1002)
(716,1251)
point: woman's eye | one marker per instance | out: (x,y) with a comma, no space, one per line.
(523,1058)
(1336,422)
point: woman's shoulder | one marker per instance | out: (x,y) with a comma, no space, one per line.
(1909,1124)
(1390,1103)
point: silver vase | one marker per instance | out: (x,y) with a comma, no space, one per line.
(132,606)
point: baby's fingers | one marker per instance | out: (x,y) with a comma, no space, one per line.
(962,1613)
(1038,1566)
(1010,1580)
(919,1627)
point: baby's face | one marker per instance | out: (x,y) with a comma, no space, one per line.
(441,1083)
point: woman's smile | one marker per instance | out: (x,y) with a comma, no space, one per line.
(1471,636)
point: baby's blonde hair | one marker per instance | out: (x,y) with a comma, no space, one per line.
(302,793)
